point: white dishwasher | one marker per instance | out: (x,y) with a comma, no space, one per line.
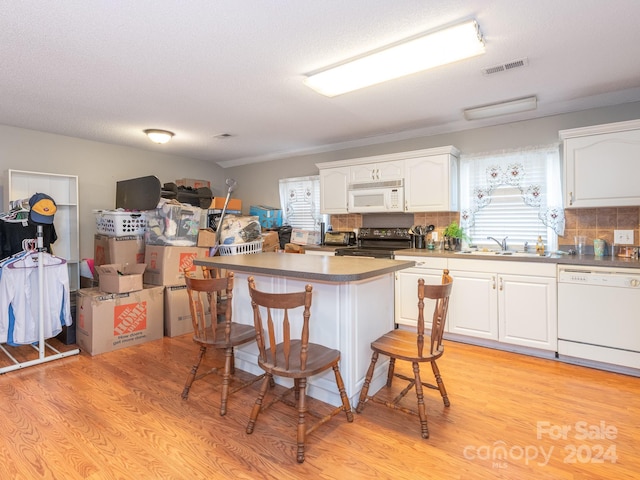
(599,317)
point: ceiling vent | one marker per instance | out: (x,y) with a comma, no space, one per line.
(503,67)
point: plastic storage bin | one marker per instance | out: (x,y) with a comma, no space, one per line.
(120,223)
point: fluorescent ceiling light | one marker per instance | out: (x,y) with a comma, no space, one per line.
(159,136)
(403,58)
(504,108)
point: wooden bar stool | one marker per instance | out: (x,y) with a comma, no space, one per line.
(293,358)
(209,333)
(410,347)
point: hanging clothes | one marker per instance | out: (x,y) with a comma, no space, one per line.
(19,298)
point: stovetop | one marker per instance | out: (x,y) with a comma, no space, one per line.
(378,242)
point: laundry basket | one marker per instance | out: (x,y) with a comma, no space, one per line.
(241,248)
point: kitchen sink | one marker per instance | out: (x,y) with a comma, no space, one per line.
(494,253)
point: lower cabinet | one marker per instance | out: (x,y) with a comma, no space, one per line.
(406,289)
(510,302)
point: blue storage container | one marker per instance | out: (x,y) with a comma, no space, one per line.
(269,217)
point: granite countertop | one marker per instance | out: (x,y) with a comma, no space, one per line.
(309,267)
(555,258)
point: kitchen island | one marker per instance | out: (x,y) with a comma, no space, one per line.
(353,304)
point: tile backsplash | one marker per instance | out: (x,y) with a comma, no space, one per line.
(590,222)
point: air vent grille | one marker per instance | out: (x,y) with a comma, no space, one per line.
(503,67)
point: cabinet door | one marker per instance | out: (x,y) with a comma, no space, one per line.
(431,184)
(334,183)
(527,311)
(602,170)
(368,172)
(406,295)
(473,306)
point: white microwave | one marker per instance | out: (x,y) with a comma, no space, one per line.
(376,197)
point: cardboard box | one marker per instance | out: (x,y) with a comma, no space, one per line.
(166,264)
(110,321)
(177,315)
(218,202)
(270,242)
(193,183)
(206,238)
(120,278)
(305,237)
(129,249)
(269,217)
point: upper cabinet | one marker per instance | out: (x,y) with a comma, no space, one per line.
(381,171)
(602,165)
(334,184)
(430,179)
(431,183)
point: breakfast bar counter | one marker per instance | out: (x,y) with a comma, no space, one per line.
(353,304)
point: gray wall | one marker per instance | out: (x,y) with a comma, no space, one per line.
(98,167)
(258,183)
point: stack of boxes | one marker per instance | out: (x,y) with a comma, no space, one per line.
(170,249)
(121,311)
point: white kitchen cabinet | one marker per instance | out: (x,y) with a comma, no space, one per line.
(406,289)
(380,171)
(511,302)
(334,184)
(602,165)
(430,178)
(64,190)
(431,183)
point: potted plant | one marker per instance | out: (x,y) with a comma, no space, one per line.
(453,236)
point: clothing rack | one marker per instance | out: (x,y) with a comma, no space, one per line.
(42,344)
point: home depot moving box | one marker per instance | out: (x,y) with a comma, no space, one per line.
(120,278)
(177,315)
(110,321)
(166,264)
(120,250)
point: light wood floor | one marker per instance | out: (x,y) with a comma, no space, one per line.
(120,416)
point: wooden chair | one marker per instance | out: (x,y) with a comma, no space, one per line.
(223,335)
(409,346)
(293,358)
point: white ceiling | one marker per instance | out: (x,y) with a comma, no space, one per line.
(105,70)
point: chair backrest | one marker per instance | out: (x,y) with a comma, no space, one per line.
(439,293)
(202,294)
(280,304)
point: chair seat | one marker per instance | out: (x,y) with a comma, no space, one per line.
(319,358)
(240,334)
(401,344)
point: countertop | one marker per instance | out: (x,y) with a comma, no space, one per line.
(311,267)
(564,259)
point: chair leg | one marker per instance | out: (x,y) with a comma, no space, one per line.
(255,411)
(302,409)
(443,391)
(226,377)
(192,374)
(422,411)
(391,371)
(343,394)
(367,380)
(233,363)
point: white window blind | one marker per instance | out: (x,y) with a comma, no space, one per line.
(300,202)
(514,194)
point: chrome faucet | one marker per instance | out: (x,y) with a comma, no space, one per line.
(503,244)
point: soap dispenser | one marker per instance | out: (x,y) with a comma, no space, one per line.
(540,246)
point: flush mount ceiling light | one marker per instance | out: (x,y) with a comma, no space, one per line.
(159,136)
(409,56)
(504,108)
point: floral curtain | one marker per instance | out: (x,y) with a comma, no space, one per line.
(541,190)
(299,200)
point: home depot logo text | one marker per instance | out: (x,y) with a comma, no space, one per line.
(186,262)
(129,318)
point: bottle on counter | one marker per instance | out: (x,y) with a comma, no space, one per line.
(540,246)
